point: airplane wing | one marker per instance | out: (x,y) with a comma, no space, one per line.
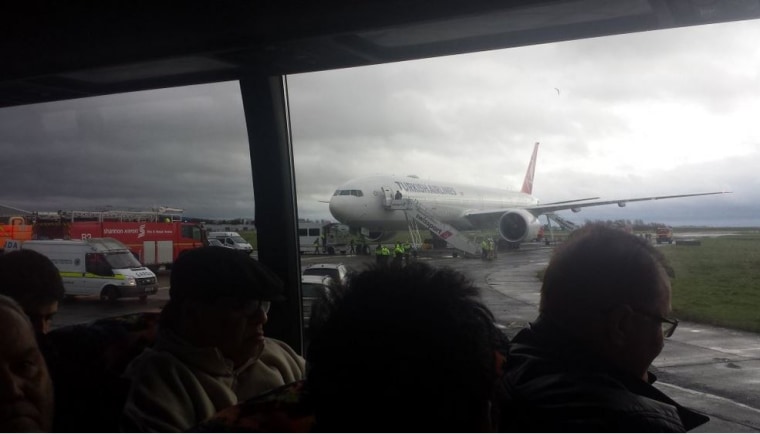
(574,205)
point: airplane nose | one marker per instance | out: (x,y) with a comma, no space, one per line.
(338,211)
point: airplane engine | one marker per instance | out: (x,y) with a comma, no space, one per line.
(518,225)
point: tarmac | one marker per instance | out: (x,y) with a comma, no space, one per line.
(713,370)
(710,369)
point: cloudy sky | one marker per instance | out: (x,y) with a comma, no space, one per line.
(657,113)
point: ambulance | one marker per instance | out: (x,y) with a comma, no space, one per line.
(96,266)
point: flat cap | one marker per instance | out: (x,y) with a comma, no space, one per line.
(209,273)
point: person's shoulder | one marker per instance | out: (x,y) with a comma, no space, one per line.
(154,362)
(277,347)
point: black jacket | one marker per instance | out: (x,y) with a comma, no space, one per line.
(553,385)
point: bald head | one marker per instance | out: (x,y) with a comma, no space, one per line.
(600,267)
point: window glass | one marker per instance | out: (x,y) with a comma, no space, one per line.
(177,151)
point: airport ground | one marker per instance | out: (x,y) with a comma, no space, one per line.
(713,370)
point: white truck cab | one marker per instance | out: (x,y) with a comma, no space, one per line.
(97,266)
(231,240)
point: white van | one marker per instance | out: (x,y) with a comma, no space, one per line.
(97,266)
(232,240)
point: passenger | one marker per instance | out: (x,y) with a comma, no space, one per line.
(405,349)
(26,392)
(35,283)
(210,351)
(582,364)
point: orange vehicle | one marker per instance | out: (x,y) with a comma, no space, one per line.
(15,228)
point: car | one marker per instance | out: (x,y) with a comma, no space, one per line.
(338,272)
(313,289)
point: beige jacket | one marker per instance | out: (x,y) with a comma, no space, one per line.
(175,385)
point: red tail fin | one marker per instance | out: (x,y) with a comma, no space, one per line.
(528,182)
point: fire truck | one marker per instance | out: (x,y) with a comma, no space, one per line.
(17,228)
(155,238)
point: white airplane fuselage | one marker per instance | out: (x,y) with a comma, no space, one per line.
(361,202)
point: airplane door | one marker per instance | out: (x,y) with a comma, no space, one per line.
(388,193)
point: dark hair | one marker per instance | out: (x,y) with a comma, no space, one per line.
(210,273)
(207,274)
(599,267)
(30,278)
(404,349)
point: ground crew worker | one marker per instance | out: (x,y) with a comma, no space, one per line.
(407,250)
(492,248)
(379,254)
(398,255)
(351,250)
(316,246)
(484,249)
(385,254)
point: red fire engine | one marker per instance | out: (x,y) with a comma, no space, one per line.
(154,238)
(16,228)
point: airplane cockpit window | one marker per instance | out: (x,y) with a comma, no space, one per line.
(357,193)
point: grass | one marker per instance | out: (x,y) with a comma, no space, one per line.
(718,282)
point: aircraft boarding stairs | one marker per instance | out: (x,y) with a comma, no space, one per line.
(564,223)
(417,215)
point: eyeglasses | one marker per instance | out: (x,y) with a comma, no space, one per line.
(256,307)
(264,305)
(668,325)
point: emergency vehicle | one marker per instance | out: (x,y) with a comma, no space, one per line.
(155,238)
(95,266)
(15,228)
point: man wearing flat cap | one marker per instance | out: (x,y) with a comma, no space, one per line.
(210,352)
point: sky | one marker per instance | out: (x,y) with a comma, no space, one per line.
(654,113)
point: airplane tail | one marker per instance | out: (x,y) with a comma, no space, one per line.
(527,187)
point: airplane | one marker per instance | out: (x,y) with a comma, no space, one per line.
(364,204)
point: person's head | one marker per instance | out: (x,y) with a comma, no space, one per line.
(219,298)
(404,349)
(610,289)
(35,283)
(26,392)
